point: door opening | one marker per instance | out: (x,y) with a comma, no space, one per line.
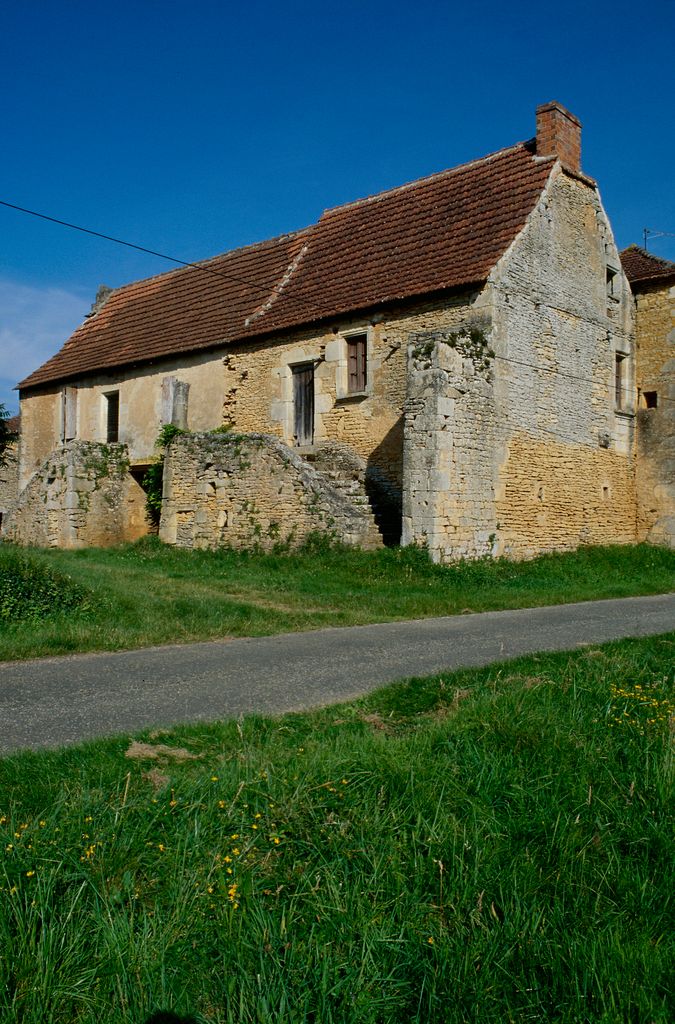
(303,402)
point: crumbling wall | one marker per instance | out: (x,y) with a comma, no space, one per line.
(259,388)
(655,323)
(246,491)
(82,496)
(9,479)
(449,446)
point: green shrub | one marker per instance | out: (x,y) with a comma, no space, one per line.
(30,591)
(153,481)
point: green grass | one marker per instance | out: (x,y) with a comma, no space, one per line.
(491,845)
(149,593)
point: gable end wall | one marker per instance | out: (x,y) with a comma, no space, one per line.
(567,466)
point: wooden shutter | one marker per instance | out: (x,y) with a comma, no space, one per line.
(356,363)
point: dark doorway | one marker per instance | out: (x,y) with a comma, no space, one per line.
(303,401)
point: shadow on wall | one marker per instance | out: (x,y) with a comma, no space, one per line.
(384,484)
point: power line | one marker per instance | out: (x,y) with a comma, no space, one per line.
(287,299)
(129,245)
(626,390)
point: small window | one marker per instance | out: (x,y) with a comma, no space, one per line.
(613,283)
(651,399)
(619,380)
(112,416)
(357,369)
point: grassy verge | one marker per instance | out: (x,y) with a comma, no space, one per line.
(492,845)
(148,593)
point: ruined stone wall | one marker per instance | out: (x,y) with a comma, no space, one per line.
(259,386)
(9,478)
(142,408)
(565,446)
(655,331)
(450,421)
(82,496)
(246,491)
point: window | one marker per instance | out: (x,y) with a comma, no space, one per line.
(357,369)
(651,399)
(613,283)
(619,380)
(112,416)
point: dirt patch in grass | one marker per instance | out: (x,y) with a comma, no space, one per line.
(151,752)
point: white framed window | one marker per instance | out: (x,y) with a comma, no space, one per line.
(354,374)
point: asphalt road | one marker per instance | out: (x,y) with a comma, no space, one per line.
(54,701)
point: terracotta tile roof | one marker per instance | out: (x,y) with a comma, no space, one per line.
(642,266)
(441,232)
(180,311)
(13,424)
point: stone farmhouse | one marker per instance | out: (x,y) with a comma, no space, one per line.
(450,363)
(652,282)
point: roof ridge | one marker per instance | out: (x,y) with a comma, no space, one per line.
(196,264)
(650,255)
(277,290)
(435,176)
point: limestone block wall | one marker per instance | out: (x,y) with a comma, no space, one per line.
(259,386)
(655,330)
(246,491)
(9,479)
(449,443)
(82,496)
(562,314)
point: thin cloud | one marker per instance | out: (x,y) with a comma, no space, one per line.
(34,323)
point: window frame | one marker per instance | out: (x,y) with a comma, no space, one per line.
(357,353)
(112,423)
(345,391)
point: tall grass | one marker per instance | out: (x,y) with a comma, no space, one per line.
(148,593)
(493,845)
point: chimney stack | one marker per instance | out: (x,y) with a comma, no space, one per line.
(559,134)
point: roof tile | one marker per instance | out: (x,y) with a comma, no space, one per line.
(642,266)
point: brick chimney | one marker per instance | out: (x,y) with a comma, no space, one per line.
(559,134)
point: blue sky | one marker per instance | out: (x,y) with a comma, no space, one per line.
(192,129)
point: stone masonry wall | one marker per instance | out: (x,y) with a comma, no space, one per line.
(82,496)
(246,491)
(655,329)
(565,446)
(448,499)
(9,478)
(515,443)
(259,386)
